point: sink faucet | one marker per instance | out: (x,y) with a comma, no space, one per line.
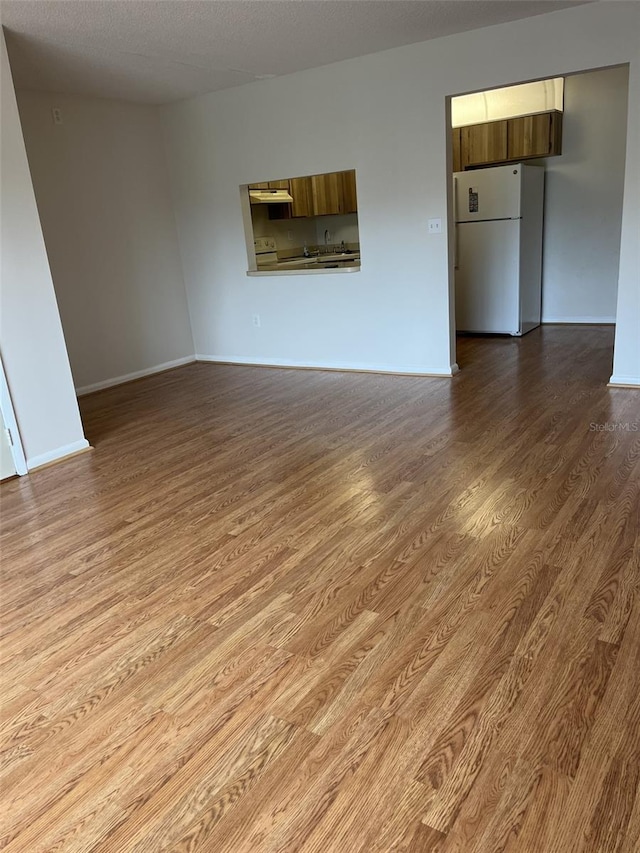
(327,237)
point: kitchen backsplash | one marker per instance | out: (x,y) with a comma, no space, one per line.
(302,230)
(339,227)
(293,234)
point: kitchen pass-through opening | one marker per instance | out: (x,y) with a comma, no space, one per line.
(302,225)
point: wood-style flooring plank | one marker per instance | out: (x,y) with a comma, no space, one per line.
(278,611)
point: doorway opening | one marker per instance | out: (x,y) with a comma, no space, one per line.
(571,133)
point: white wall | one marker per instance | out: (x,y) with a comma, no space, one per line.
(101,184)
(626,357)
(387,118)
(33,348)
(583,201)
(377,318)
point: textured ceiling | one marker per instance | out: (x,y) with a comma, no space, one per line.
(156,51)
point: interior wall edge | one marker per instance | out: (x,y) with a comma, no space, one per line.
(57,454)
(41,388)
(624,381)
(138,374)
(102,187)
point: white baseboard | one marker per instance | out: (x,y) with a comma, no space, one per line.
(138,374)
(58,453)
(577,321)
(405,370)
(624,381)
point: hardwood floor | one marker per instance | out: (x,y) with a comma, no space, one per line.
(280,611)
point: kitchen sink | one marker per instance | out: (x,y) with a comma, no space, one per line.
(331,261)
(298,262)
(320,259)
(339,256)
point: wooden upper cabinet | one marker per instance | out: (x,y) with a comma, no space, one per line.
(334,193)
(483,143)
(456,149)
(508,141)
(327,194)
(349,196)
(537,135)
(281,210)
(314,195)
(302,194)
(270,185)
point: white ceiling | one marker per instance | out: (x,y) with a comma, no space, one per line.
(156,51)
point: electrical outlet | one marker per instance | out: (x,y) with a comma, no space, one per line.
(435,226)
(256,320)
(290,236)
(56,112)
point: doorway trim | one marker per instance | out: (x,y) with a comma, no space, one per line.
(615,380)
(10,422)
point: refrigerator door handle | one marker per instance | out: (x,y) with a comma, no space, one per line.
(455,223)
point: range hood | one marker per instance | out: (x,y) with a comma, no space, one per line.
(269,196)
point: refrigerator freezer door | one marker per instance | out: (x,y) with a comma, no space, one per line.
(488,193)
(487,278)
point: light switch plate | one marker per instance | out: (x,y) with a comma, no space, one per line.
(435,226)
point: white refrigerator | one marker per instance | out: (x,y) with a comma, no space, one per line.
(498,248)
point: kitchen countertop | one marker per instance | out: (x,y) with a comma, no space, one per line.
(332,263)
(310,269)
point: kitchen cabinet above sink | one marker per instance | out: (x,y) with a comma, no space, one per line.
(330,194)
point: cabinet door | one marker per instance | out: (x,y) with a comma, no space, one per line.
(456,149)
(535,136)
(301,192)
(556,133)
(483,143)
(327,195)
(283,209)
(349,196)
